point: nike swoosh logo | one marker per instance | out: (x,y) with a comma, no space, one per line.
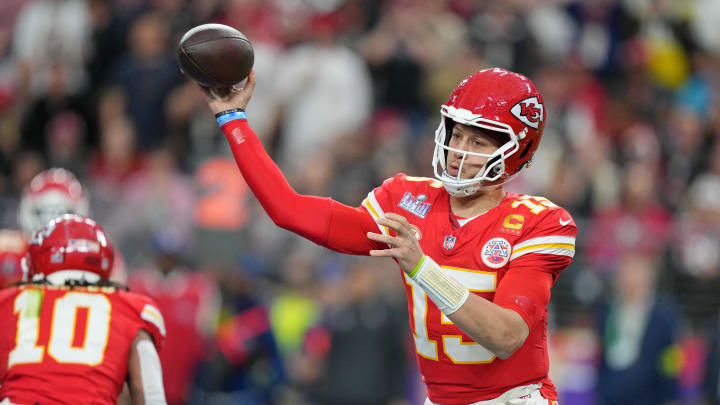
(563,223)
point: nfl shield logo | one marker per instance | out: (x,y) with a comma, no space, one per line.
(449,242)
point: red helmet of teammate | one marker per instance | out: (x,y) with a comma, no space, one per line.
(497,100)
(72,244)
(50,194)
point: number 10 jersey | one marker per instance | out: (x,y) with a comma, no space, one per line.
(63,345)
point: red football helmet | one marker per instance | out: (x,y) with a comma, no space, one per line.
(497,100)
(70,243)
(50,194)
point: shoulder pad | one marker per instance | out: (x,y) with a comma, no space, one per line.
(151,317)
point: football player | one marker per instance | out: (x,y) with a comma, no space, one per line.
(478,262)
(51,193)
(71,336)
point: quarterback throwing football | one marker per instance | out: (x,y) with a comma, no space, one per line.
(478,262)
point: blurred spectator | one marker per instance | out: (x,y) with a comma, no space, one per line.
(160,202)
(245,366)
(699,224)
(637,223)
(639,332)
(686,148)
(50,40)
(65,135)
(109,171)
(397,50)
(294,308)
(189,302)
(360,343)
(324,90)
(39,126)
(711,383)
(146,75)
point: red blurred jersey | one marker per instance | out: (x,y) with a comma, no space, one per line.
(189,301)
(519,237)
(70,346)
(12,249)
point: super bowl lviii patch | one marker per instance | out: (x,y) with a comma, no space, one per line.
(496,253)
(416,205)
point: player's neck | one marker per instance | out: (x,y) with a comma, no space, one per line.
(478,203)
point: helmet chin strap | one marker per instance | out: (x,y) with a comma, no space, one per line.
(461,191)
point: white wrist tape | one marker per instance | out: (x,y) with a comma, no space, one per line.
(442,288)
(151,373)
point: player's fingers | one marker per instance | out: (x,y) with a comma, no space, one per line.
(394,224)
(383,253)
(251,82)
(390,240)
(222,93)
(397,217)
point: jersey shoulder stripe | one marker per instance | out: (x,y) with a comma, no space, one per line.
(152,315)
(554,244)
(371,204)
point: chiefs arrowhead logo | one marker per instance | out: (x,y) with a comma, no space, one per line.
(530,111)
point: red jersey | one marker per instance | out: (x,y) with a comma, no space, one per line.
(190,302)
(63,345)
(515,240)
(12,250)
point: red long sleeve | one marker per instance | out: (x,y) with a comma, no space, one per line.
(322,220)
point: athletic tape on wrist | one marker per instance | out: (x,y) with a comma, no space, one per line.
(442,288)
(231,116)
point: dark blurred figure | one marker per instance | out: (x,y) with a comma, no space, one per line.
(245,365)
(711,383)
(361,344)
(146,75)
(42,122)
(189,302)
(638,333)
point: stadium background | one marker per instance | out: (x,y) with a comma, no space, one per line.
(348,94)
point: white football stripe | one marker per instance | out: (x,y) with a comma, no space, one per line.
(545,240)
(544,250)
(153,315)
(373,207)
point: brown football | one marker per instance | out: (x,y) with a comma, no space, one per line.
(215,55)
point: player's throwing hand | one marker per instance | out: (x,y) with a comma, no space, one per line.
(236,99)
(405,247)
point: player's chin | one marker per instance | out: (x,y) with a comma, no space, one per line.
(469,174)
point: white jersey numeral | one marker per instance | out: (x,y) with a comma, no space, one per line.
(455,349)
(537,206)
(64,329)
(27,306)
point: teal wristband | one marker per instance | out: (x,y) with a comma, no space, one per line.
(231,116)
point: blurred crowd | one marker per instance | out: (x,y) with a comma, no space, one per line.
(348,94)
